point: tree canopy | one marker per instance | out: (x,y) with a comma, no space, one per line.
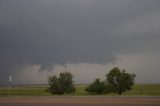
(61,85)
(119,81)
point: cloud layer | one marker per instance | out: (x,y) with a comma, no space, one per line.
(46,33)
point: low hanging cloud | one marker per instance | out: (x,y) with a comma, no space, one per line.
(39,35)
(145,66)
(82,72)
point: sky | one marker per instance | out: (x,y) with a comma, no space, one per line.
(39,38)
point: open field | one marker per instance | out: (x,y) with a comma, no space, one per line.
(138,89)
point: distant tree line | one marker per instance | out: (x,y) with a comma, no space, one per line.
(117,81)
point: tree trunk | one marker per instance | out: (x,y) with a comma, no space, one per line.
(120,91)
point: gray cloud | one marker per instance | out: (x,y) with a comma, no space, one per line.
(75,31)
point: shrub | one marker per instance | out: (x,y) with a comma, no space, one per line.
(97,87)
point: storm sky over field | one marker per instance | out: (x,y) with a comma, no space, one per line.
(37,37)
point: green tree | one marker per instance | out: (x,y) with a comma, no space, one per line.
(97,87)
(61,85)
(119,81)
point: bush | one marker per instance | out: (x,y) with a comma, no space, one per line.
(98,87)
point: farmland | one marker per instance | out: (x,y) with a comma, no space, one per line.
(138,89)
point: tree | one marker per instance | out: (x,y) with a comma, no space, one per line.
(97,87)
(61,85)
(119,81)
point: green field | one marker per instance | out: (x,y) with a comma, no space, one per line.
(138,89)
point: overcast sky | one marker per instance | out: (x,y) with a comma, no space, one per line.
(37,37)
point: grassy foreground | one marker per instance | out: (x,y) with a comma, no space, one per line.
(138,89)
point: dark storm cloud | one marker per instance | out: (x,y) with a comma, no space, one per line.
(71,31)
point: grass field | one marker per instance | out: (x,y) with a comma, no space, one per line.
(138,89)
